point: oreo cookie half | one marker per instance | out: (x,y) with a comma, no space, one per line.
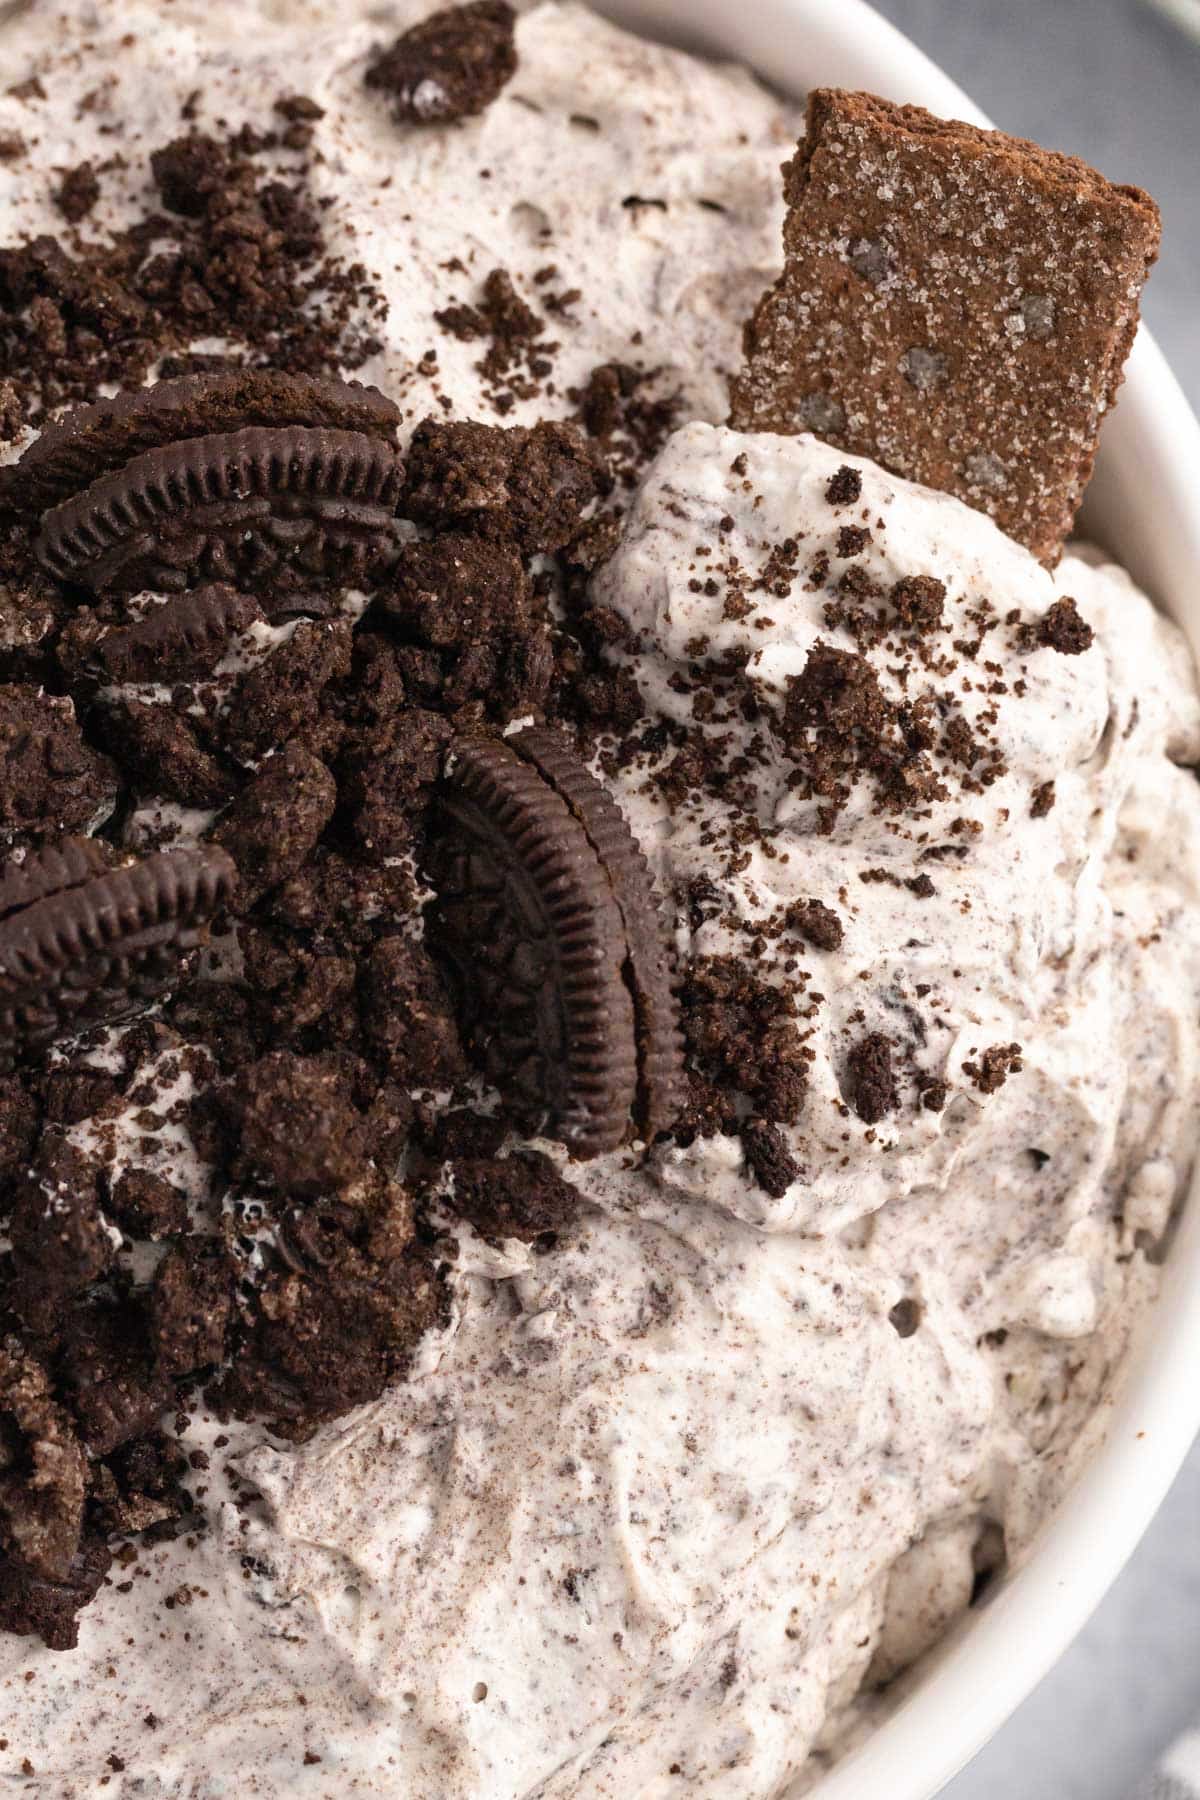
(546,916)
(244,506)
(91,441)
(80,944)
(649,961)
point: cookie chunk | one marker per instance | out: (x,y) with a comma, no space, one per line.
(512,1196)
(280,699)
(450,65)
(408,1017)
(51,780)
(31,1605)
(192,1307)
(339,1317)
(59,1241)
(530,484)
(768,1158)
(742,1037)
(109,1374)
(870,1081)
(147,1205)
(43,1476)
(77,193)
(273,825)
(956,303)
(158,750)
(299,1128)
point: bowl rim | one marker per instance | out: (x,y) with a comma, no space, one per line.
(1141,507)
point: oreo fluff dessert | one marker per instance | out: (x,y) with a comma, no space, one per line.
(598,942)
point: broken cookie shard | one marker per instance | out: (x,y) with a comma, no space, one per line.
(43,1473)
(247,504)
(89,949)
(955,303)
(67,864)
(184,636)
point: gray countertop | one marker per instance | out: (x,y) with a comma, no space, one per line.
(1117,83)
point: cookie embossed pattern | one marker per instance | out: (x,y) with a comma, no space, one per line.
(662,999)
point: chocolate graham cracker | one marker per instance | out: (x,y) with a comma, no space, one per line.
(955,303)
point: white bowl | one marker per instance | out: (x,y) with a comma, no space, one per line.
(1144,507)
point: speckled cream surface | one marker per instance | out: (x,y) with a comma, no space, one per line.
(653,1507)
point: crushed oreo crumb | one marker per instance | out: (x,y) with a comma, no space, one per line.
(816,923)
(870,1084)
(1062,628)
(905,1317)
(744,1037)
(247,249)
(449,66)
(520,1196)
(844,486)
(994,1067)
(1042,801)
(768,1158)
(77,193)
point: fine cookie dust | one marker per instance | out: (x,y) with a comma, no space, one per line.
(598,1007)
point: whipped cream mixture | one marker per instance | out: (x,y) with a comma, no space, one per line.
(653,1507)
(650,179)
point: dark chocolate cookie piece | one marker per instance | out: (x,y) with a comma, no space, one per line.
(282,697)
(649,970)
(148,1205)
(67,864)
(140,1485)
(159,752)
(744,1044)
(51,778)
(32,1606)
(869,1083)
(531,485)
(192,1306)
(450,65)
(60,1239)
(272,827)
(179,639)
(547,918)
(108,1373)
(243,505)
(297,1126)
(103,947)
(92,441)
(408,1016)
(340,1315)
(768,1158)
(521,1196)
(43,1471)
(527,920)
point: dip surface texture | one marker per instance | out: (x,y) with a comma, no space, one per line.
(664,1502)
